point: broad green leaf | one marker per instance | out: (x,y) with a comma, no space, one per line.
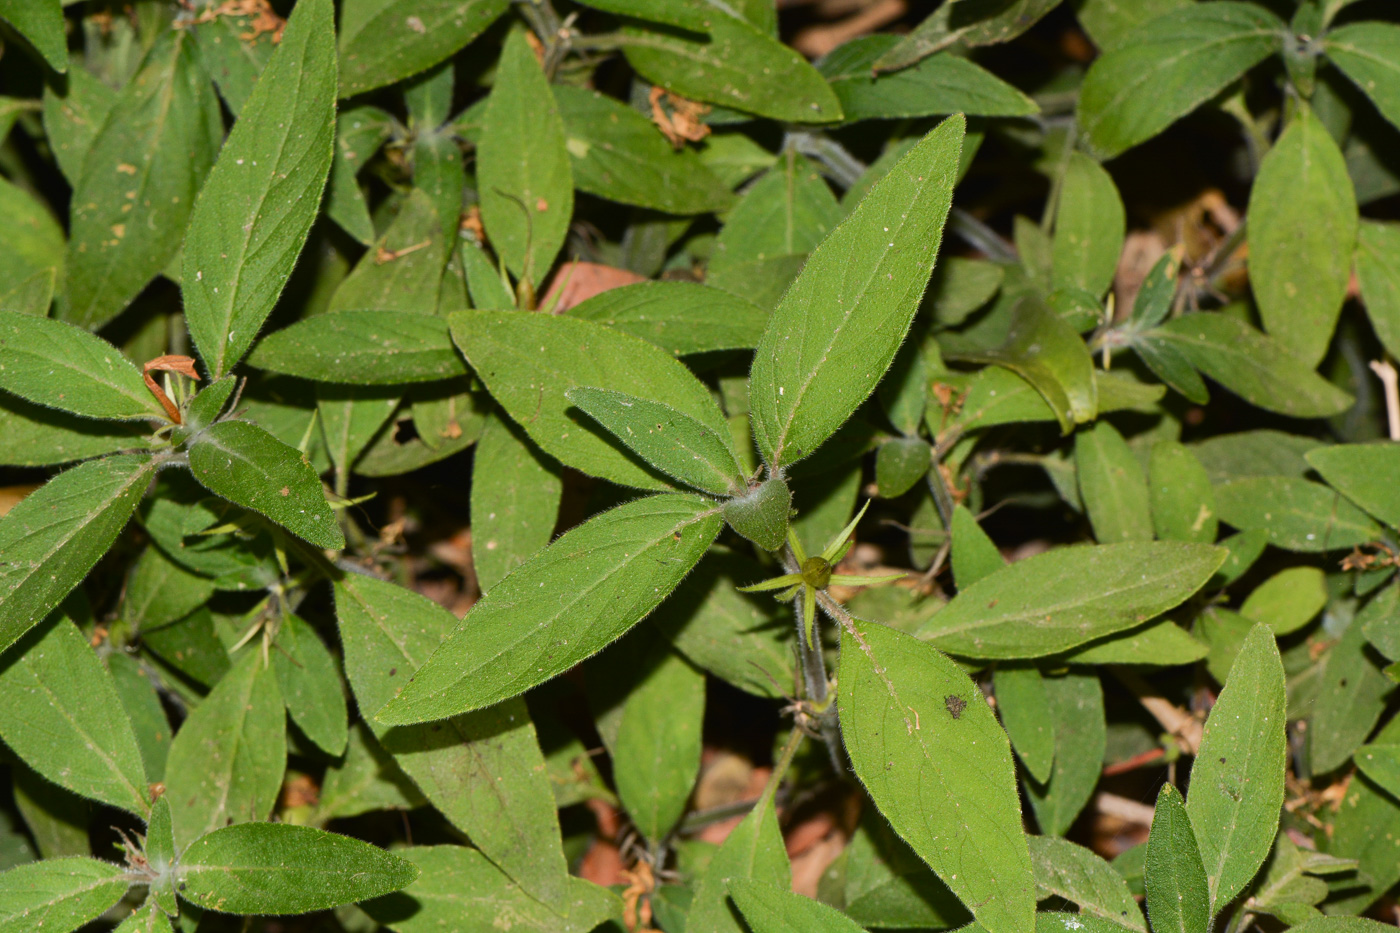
(1381,763)
(1168,66)
(754,850)
(149,918)
(234,53)
(1255,453)
(383,41)
(837,328)
(523,165)
(58,894)
(256,209)
(1369,54)
(350,418)
(1111,485)
(1078,875)
(904,392)
(277,868)
(529,361)
(768,908)
(1288,600)
(1378,273)
(1382,627)
(1353,691)
(656,754)
(360,131)
(65,367)
(735,65)
(899,465)
(971,23)
(669,440)
(1178,900)
(51,539)
(956,779)
(515,501)
(34,295)
(459,888)
(886,884)
(58,821)
(1237,779)
(227,760)
(33,239)
(960,286)
(310,685)
(1257,368)
(1077,712)
(41,24)
(74,110)
(762,514)
(1067,596)
(1367,829)
(365,779)
(1302,229)
(437,171)
(138,186)
(190,645)
(620,155)
(60,713)
(1090,226)
(138,696)
(566,603)
(1162,643)
(1364,474)
(1296,514)
(679,317)
(363,347)
(1179,490)
(1026,714)
(1108,21)
(935,86)
(248,466)
(402,270)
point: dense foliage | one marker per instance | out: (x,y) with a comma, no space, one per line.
(411,411)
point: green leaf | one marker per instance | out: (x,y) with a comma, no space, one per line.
(1302,230)
(523,165)
(562,605)
(62,366)
(310,685)
(1381,763)
(1162,643)
(1178,900)
(1378,273)
(256,209)
(515,501)
(360,131)
(60,713)
(956,778)
(669,440)
(1257,368)
(754,850)
(679,13)
(976,22)
(1077,712)
(74,110)
(620,155)
(384,41)
(248,466)
(1366,829)
(1168,66)
(836,330)
(402,270)
(1089,228)
(937,85)
(138,186)
(40,22)
(227,760)
(149,918)
(33,239)
(139,699)
(1237,779)
(276,868)
(1107,21)
(161,856)
(1288,600)
(1382,627)
(974,555)
(483,770)
(1296,514)
(960,286)
(365,779)
(1362,473)
(734,65)
(529,362)
(1112,486)
(364,347)
(1026,715)
(234,54)
(679,317)
(1078,875)
(1353,691)
(51,539)
(1067,596)
(768,908)
(58,821)
(1179,490)
(59,894)
(761,515)
(458,887)
(1369,54)
(899,464)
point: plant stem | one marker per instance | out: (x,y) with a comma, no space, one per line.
(980,235)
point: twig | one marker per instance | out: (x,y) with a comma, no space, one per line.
(1129,811)
(1175,720)
(1385,371)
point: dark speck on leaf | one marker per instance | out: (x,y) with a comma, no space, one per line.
(955,705)
(393,671)
(1222,761)
(1343,682)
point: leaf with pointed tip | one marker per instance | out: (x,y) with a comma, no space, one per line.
(1089,228)
(679,317)
(1027,716)
(363,347)
(1369,54)
(1296,514)
(1080,876)
(1076,711)
(58,894)
(34,241)
(74,110)
(1365,474)
(1378,274)
(41,24)
(310,685)
(1288,600)
(564,604)
(1179,490)
(1178,900)
(149,918)
(1353,691)
(1111,485)
(388,40)
(753,850)
(837,328)
(256,209)
(768,908)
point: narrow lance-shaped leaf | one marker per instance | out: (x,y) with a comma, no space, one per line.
(1112,486)
(1076,712)
(59,893)
(34,242)
(310,685)
(565,603)
(256,209)
(1365,474)
(1178,900)
(65,367)
(928,749)
(1089,228)
(1237,779)
(1378,274)
(1353,691)
(1065,597)
(753,850)
(363,347)
(515,497)
(679,317)
(768,908)
(51,539)
(837,328)
(1369,54)
(1077,874)
(384,42)
(1027,716)
(1296,514)
(277,868)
